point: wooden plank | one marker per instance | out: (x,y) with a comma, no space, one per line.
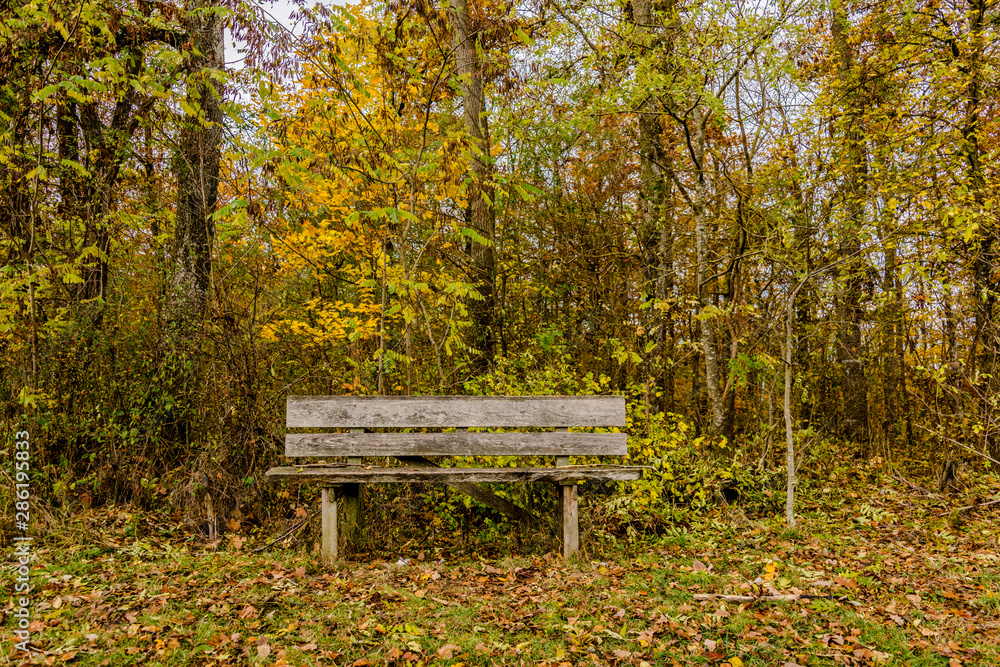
(476,492)
(456,444)
(328,509)
(375,475)
(453,411)
(570,521)
(562,458)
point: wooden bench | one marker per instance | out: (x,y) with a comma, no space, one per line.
(365,417)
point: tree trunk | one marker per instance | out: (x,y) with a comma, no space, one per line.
(665,327)
(709,343)
(197,168)
(656,233)
(850,311)
(480,214)
(786,408)
(986,257)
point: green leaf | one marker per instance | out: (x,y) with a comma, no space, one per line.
(524,194)
(73,164)
(46,92)
(476,237)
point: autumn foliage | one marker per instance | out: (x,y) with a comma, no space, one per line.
(685,199)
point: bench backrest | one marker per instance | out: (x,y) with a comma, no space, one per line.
(437,412)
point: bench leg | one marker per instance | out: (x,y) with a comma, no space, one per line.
(570,520)
(329,522)
(350,506)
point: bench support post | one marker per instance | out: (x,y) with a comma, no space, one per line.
(350,502)
(569,521)
(350,505)
(329,524)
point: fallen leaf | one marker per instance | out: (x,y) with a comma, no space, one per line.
(447,651)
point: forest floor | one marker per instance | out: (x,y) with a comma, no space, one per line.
(887,576)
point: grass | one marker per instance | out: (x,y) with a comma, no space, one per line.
(888,580)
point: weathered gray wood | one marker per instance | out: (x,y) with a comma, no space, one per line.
(570,521)
(568,513)
(328,507)
(476,492)
(350,503)
(453,411)
(375,475)
(460,412)
(562,458)
(456,444)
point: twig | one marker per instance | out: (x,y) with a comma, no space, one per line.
(777,597)
(286,533)
(916,487)
(746,598)
(956,442)
(986,504)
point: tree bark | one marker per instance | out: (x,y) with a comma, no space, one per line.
(851,311)
(197,168)
(709,341)
(480,215)
(656,229)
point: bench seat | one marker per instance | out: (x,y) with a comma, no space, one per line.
(348,474)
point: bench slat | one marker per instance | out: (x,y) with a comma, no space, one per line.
(375,475)
(454,411)
(456,444)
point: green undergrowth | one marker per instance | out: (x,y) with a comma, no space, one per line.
(885,578)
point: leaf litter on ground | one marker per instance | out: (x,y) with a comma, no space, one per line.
(895,584)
